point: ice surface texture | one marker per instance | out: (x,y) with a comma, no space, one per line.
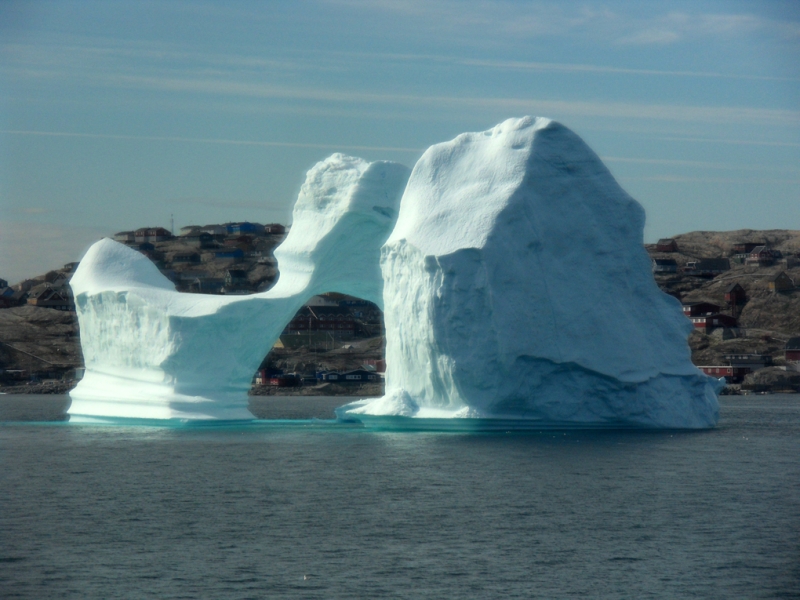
(154,353)
(516,285)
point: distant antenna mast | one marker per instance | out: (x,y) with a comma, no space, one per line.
(171,224)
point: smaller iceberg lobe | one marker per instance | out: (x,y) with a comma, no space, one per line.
(516,285)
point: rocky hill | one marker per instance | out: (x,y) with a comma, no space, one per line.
(766,320)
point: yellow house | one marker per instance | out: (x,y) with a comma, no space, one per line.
(780,283)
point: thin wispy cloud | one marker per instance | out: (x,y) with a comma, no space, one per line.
(224,142)
(93,56)
(700,179)
(558,108)
(729,141)
(699,164)
(549,19)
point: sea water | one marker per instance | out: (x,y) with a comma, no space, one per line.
(313,509)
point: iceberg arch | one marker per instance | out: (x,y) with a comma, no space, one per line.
(153,353)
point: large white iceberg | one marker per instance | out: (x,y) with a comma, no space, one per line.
(514,283)
(153,353)
(516,286)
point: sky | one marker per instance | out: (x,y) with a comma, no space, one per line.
(116,115)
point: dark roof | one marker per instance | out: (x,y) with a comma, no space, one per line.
(700,302)
(665,261)
(779,276)
(713,264)
(665,241)
(793,344)
(732,286)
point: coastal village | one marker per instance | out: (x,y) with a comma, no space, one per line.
(740,290)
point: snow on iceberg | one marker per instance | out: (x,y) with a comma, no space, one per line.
(153,353)
(516,286)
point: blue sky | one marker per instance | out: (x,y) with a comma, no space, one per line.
(115,115)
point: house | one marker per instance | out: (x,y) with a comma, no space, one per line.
(215,230)
(792,350)
(151,234)
(761,256)
(665,265)
(229,254)
(235,278)
(735,294)
(285,380)
(731,374)
(333,319)
(749,361)
(3,283)
(56,279)
(709,322)
(186,257)
(198,239)
(245,242)
(693,309)
(9,297)
(125,237)
(26,284)
(274,229)
(780,283)
(264,375)
(350,377)
(48,297)
(666,245)
(359,376)
(245,227)
(146,248)
(746,247)
(708,267)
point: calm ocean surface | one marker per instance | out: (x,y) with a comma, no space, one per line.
(316,510)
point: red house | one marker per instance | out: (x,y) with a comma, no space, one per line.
(712,321)
(732,374)
(792,349)
(666,245)
(761,256)
(735,294)
(151,234)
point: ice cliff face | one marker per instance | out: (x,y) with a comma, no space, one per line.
(154,353)
(516,285)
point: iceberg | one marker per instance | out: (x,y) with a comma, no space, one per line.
(511,270)
(516,287)
(151,352)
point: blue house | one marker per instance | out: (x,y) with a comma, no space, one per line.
(245,227)
(234,254)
